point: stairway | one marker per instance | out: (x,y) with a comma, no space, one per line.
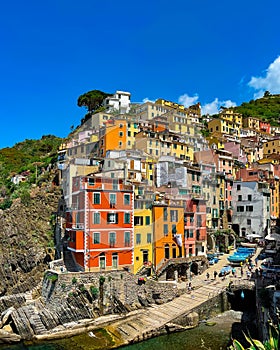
(69,262)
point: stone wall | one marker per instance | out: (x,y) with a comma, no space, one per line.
(120,291)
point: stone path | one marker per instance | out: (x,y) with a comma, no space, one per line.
(145,323)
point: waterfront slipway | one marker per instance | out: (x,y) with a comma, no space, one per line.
(157,319)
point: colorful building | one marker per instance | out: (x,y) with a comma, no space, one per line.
(168,223)
(100,223)
(143,233)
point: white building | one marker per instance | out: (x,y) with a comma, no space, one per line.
(251,208)
(119,102)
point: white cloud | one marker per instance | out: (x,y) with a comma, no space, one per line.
(270,82)
(209,108)
(214,106)
(146,99)
(187,100)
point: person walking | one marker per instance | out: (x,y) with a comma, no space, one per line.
(207,275)
(215,274)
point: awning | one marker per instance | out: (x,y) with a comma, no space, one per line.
(253,235)
(272,237)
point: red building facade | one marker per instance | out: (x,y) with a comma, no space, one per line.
(100,223)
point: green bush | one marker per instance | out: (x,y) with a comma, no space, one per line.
(74,280)
(52,278)
(101,280)
(6,204)
(25,198)
(94,292)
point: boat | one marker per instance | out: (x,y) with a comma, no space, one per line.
(249,245)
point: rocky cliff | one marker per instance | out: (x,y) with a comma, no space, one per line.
(26,245)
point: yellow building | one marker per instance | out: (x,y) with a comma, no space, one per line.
(143,233)
(150,110)
(163,144)
(224,127)
(251,123)
(132,130)
(216,141)
(271,147)
(230,115)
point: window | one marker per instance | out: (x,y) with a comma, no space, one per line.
(249,208)
(115,185)
(112,218)
(249,222)
(102,261)
(165,230)
(96,198)
(149,238)
(96,237)
(115,260)
(240,209)
(174,229)
(249,197)
(129,133)
(238,187)
(96,218)
(165,214)
(199,221)
(121,134)
(113,200)
(126,218)
(127,238)
(147,220)
(239,198)
(138,238)
(191,233)
(126,199)
(138,220)
(174,215)
(90,181)
(112,239)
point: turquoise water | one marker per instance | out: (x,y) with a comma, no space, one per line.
(203,337)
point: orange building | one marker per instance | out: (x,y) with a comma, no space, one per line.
(168,232)
(100,223)
(113,136)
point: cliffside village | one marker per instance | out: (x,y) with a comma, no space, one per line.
(142,185)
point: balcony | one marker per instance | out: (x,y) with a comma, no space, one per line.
(78,226)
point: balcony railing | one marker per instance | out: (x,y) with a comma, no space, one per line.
(78,226)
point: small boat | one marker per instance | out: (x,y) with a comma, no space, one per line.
(249,245)
(237,258)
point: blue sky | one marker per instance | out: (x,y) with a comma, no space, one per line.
(215,52)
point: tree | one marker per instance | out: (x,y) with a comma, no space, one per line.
(266,94)
(92,99)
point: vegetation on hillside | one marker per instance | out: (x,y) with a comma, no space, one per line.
(32,158)
(266,108)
